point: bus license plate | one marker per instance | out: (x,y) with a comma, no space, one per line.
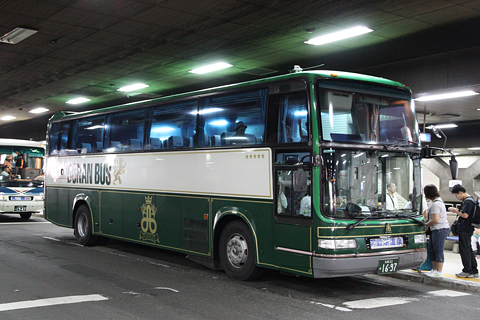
(20,208)
(387,266)
(380,243)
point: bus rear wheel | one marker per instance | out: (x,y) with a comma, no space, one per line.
(83,227)
(237,252)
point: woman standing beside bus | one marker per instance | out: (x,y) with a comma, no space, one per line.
(438,225)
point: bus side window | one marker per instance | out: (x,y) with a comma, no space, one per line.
(233,119)
(288,118)
(59,138)
(89,134)
(173,126)
(54,139)
(126,130)
(293,118)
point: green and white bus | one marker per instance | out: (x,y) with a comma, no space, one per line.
(290,173)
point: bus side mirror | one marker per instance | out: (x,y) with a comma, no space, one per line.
(300,180)
(453,167)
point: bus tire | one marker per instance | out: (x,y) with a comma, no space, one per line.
(26,215)
(237,252)
(83,227)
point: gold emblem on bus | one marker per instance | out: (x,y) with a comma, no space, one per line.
(388,228)
(148,223)
(118,169)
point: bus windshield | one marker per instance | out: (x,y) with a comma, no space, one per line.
(383,118)
(360,183)
(20,159)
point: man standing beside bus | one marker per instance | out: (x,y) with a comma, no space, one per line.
(465,231)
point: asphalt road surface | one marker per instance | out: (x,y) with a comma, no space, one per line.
(45,274)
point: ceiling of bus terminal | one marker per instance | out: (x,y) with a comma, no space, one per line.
(91,48)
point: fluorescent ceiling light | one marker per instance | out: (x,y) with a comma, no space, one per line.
(447,95)
(300,113)
(98,126)
(446,125)
(6,118)
(38,110)
(206,111)
(133,87)
(219,123)
(162,129)
(212,67)
(77,101)
(340,35)
(17,35)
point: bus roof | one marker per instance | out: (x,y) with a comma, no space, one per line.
(21,143)
(311,74)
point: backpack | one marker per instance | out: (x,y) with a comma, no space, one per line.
(474,219)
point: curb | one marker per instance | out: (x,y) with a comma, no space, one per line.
(445,283)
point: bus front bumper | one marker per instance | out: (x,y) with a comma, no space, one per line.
(328,266)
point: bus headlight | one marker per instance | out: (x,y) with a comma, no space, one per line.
(337,244)
(38,198)
(420,238)
(3,198)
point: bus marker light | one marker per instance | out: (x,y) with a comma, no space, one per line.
(205,216)
(420,238)
(337,244)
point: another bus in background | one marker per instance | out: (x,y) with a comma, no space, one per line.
(21,177)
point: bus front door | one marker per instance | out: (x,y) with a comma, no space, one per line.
(293,220)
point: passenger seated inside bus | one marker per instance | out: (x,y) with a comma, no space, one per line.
(238,137)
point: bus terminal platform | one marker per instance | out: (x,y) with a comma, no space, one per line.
(452,266)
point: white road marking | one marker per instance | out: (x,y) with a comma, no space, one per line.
(158,264)
(165,288)
(74,244)
(53,239)
(378,302)
(331,306)
(50,302)
(22,223)
(448,293)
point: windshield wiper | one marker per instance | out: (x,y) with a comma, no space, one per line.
(350,227)
(410,216)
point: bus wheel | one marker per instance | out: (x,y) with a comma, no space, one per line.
(237,252)
(25,216)
(83,227)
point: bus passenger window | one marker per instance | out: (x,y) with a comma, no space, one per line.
(234,119)
(125,130)
(59,138)
(173,126)
(292,118)
(89,132)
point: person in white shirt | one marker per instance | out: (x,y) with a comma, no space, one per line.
(438,225)
(392,199)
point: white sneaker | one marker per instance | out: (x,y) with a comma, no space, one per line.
(430,273)
(434,274)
